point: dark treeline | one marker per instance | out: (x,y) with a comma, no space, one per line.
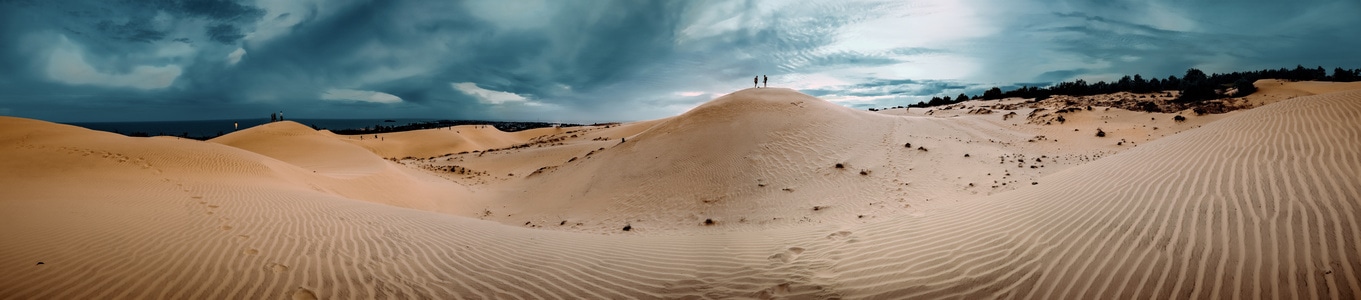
(502,126)
(1194,86)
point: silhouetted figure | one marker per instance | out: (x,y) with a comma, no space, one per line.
(273,117)
(281,115)
(756,81)
(765,81)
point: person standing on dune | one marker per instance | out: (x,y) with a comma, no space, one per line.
(755,81)
(765,81)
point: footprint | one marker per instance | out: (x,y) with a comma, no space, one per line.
(304,294)
(788,255)
(212,206)
(226,227)
(278,268)
(242,237)
(251,251)
(838,235)
(781,289)
(774,292)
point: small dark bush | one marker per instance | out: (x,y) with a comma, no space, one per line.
(864,172)
(1100,133)
(628,227)
(966,155)
(708,221)
(1149,106)
(921,148)
(1179,118)
(840,166)
(908,145)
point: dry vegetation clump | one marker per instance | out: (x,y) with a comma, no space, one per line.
(455,169)
(980,111)
(542,170)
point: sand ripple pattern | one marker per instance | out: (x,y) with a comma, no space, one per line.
(1262,205)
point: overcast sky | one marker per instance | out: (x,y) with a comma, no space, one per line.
(601,60)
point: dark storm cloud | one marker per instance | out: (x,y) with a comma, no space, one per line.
(220,10)
(611,60)
(137,30)
(224,33)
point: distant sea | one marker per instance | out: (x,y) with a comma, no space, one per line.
(213,128)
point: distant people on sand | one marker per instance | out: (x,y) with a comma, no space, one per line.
(273,117)
(765,81)
(756,81)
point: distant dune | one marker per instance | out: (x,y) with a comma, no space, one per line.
(762,193)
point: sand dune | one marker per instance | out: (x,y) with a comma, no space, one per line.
(1261,203)
(305,147)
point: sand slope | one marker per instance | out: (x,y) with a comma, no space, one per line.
(1260,204)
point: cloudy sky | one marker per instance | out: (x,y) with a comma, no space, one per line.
(603,60)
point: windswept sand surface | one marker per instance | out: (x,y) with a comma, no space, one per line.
(1259,203)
